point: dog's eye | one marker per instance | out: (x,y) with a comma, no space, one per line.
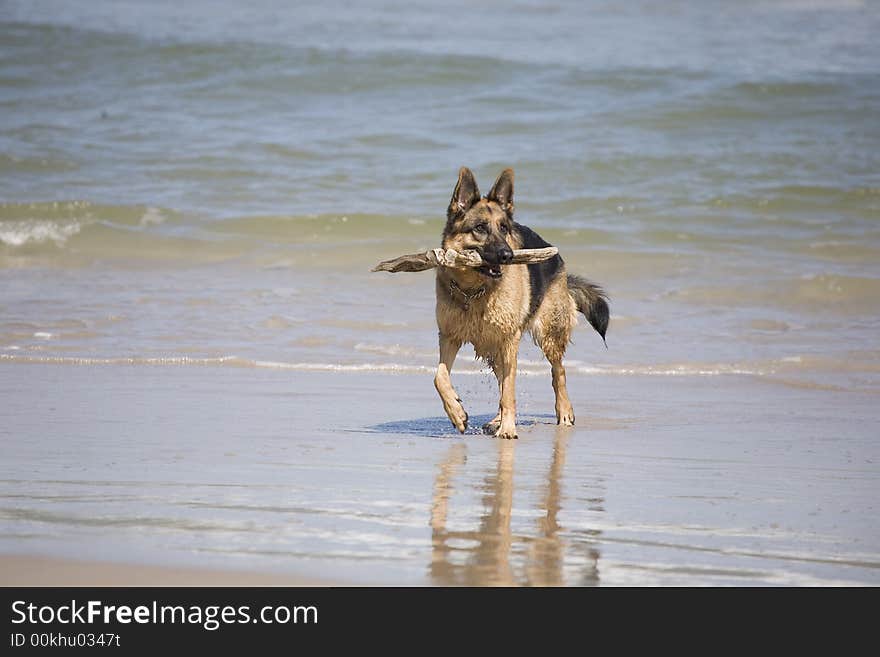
(481,229)
(504,228)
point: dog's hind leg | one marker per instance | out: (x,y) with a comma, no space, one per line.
(552,335)
(451,401)
(492,425)
(564,411)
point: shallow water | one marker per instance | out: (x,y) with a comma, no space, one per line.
(224,178)
(200,189)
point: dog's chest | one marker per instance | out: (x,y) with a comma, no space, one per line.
(486,323)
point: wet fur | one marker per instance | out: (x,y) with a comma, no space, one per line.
(493,313)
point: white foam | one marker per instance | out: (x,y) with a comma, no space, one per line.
(526,368)
(18,233)
(74,360)
(340,367)
(389,350)
(690,369)
(152,217)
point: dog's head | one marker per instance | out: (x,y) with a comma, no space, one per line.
(482,224)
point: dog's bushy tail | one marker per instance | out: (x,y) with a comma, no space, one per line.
(592,301)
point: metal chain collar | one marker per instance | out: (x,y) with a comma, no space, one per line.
(468,298)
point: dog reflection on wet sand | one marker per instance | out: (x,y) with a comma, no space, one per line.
(492,555)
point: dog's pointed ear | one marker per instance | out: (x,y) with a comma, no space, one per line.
(502,191)
(466,193)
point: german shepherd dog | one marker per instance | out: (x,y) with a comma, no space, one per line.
(491,306)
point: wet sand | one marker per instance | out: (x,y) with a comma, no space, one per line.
(356,478)
(45,571)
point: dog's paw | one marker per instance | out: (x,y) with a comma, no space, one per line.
(565,417)
(566,420)
(457,415)
(508,433)
(491,427)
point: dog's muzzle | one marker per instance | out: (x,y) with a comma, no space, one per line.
(494,258)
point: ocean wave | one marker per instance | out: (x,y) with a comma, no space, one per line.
(65,230)
(147,231)
(761,368)
(37,231)
(812,293)
(269,66)
(220,361)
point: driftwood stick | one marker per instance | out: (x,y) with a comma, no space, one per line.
(452,258)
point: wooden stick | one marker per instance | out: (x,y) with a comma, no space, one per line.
(452,258)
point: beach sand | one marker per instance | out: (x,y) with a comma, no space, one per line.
(262,476)
(46,571)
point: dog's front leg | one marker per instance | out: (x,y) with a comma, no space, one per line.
(505,370)
(451,402)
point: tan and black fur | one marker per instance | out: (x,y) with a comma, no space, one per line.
(492,306)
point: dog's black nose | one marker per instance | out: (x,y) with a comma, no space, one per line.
(505,255)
